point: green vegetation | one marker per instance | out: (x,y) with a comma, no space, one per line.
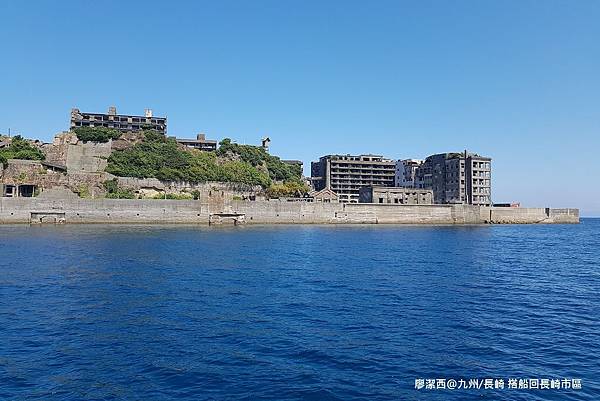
(22,177)
(113,191)
(182,196)
(20,148)
(96,134)
(287,189)
(257,157)
(160,157)
(84,191)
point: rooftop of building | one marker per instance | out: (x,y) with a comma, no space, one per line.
(456,155)
(363,157)
(112,111)
(411,161)
(200,138)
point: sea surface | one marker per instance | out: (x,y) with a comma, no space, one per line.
(95,312)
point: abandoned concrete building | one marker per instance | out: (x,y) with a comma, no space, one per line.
(396,195)
(200,143)
(121,122)
(346,175)
(406,173)
(457,178)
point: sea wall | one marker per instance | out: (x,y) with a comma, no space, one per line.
(77,210)
(523,215)
(355,213)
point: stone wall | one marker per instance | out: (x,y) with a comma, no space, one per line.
(56,152)
(222,192)
(33,172)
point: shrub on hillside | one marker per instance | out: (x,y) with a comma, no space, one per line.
(160,157)
(257,156)
(96,134)
(287,189)
(113,191)
(20,148)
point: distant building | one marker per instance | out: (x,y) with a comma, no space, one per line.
(200,143)
(457,178)
(406,173)
(396,195)
(121,122)
(346,174)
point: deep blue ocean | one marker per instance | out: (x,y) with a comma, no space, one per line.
(97,312)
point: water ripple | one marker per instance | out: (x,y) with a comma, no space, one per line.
(296,312)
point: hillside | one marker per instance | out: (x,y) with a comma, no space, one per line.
(159,157)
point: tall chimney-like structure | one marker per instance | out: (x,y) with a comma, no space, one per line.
(265,143)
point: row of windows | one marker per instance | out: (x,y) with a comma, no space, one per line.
(124,119)
(115,125)
(485,165)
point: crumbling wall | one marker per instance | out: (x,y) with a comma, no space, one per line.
(56,152)
(33,172)
(88,157)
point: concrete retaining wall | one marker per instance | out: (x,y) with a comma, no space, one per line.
(32,210)
(521,215)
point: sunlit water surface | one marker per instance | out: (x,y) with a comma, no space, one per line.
(296,312)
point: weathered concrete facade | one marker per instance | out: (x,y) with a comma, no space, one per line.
(43,176)
(346,174)
(200,143)
(211,209)
(121,122)
(396,195)
(457,178)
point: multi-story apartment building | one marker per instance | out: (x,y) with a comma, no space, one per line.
(121,122)
(457,178)
(346,174)
(406,173)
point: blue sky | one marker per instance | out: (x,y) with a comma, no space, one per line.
(515,80)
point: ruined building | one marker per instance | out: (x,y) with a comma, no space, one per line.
(406,173)
(121,122)
(457,178)
(396,195)
(200,143)
(346,174)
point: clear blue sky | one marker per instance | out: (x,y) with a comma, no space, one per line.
(515,80)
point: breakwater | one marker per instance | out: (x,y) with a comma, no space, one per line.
(38,210)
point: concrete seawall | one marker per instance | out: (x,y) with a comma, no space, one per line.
(37,210)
